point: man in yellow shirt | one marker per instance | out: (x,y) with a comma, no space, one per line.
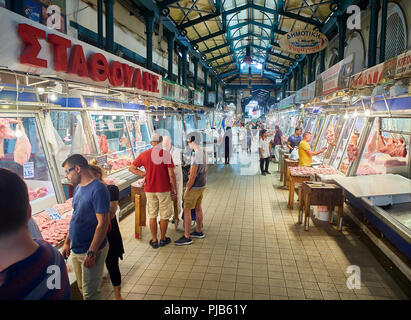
(305,153)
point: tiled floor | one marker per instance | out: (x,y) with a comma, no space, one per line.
(253,249)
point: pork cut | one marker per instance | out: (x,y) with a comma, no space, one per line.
(330,134)
(22,149)
(102,142)
(5,133)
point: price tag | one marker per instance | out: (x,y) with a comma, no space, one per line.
(102,160)
(54,215)
(28,170)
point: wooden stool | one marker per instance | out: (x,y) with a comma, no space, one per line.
(293,180)
(288,163)
(321,194)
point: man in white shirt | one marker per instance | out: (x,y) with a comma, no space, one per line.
(178,171)
(264,149)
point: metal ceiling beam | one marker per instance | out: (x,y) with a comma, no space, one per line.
(250,5)
(216,48)
(204,18)
(246,23)
(165,3)
(299,18)
(273,72)
(251,45)
(248,34)
(278,65)
(210,36)
(224,65)
(229,73)
(245,86)
(279,55)
(220,57)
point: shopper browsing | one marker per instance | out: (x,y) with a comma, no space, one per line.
(304,151)
(194,191)
(264,150)
(278,141)
(295,139)
(116,249)
(160,184)
(178,171)
(29,269)
(88,226)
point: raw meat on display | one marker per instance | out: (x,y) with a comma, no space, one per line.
(37,193)
(5,133)
(102,142)
(22,149)
(330,134)
(119,163)
(365,169)
(352,152)
(41,218)
(63,207)
(55,231)
(394,162)
(302,171)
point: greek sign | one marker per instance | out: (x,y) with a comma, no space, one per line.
(303,42)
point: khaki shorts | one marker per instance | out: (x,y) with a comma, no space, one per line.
(193,198)
(159,201)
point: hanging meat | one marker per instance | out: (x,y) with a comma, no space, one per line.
(22,149)
(330,134)
(5,133)
(102,141)
(352,152)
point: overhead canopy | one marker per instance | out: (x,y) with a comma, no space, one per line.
(221,30)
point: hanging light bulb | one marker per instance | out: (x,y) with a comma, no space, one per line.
(114,117)
(95,104)
(40,90)
(53,97)
(139,100)
(156,119)
(355,114)
(346,116)
(367,112)
(164,115)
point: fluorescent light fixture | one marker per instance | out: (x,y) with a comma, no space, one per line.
(95,104)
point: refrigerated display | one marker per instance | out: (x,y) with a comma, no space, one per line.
(342,140)
(22,151)
(387,148)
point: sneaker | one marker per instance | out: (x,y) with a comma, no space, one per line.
(263,174)
(267,172)
(198,235)
(183,241)
(165,242)
(154,244)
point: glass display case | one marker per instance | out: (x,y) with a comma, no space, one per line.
(317,131)
(342,141)
(66,135)
(189,122)
(351,150)
(22,151)
(329,132)
(138,132)
(387,149)
(112,139)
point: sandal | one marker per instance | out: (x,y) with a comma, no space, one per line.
(154,244)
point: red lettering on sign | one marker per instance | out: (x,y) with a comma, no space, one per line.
(137,81)
(60,46)
(30,36)
(77,62)
(154,83)
(146,81)
(115,75)
(98,67)
(128,73)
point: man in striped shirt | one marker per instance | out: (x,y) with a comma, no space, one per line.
(29,269)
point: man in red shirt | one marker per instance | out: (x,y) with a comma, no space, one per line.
(160,183)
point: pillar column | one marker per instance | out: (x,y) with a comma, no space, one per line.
(322,61)
(205,86)
(170,42)
(284,85)
(310,68)
(383,29)
(184,66)
(179,69)
(100,23)
(195,61)
(342,28)
(109,25)
(149,41)
(295,78)
(372,43)
(216,93)
(301,72)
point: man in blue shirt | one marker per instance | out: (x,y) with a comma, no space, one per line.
(295,139)
(88,226)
